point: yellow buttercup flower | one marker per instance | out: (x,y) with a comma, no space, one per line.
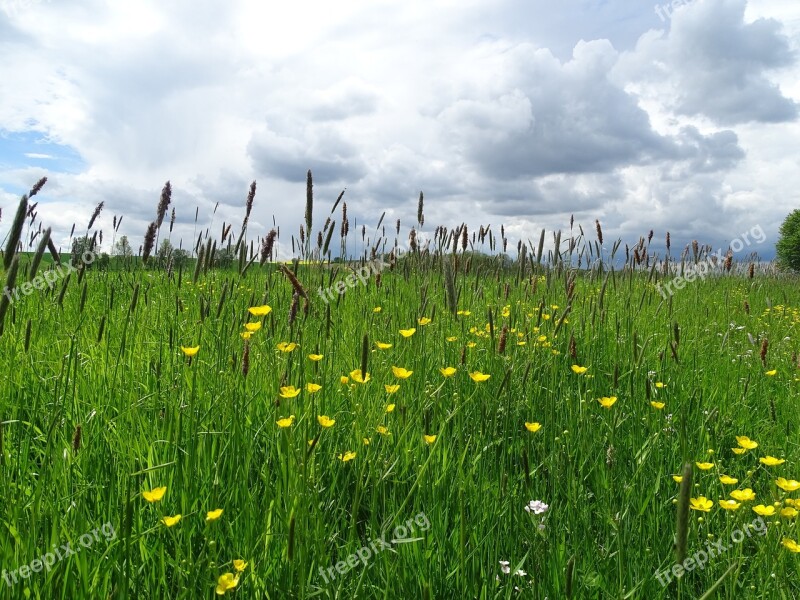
(226,582)
(578,370)
(170,521)
(677,478)
(286,346)
(771,461)
(382,346)
(253,326)
(790,545)
(702,504)
(607,401)
(356,376)
(533,427)
(463,313)
(289,391)
(213,515)
(382,430)
(471,344)
(389,408)
(260,311)
(764,511)
(704,466)
(239,565)
(246,335)
(407,333)
(745,495)
(401,373)
(429,439)
(724,479)
(478,377)
(657,405)
(155,495)
(377,309)
(745,442)
(344,379)
(315,357)
(739,450)
(771,373)
(423,321)
(789,512)
(189,351)
(451,338)
(660,385)
(285,422)
(347,456)
(313,388)
(325,421)
(729,504)
(391,389)
(787,485)
(447,371)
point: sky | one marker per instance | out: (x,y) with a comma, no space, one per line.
(678,117)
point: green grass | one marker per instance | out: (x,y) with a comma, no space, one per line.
(150,417)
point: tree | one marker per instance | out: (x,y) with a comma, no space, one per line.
(788,246)
(123,247)
(164,253)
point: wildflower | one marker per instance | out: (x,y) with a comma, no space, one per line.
(745,495)
(657,405)
(578,370)
(704,466)
(382,430)
(606,401)
(724,479)
(357,376)
(787,485)
(477,376)
(260,311)
(677,478)
(423,321)
(537,507)
(702,504)
(463,313)
(382,346)
(407,333)
(246,335)
(325,421)
(213,515)
(289,391)
(745,442)
(429,439)
(389,408)
(789,512)
(190,351)
(790,545)
(739,450)
(313,388)
(344,380)
(315,357)
(239,565)
(401,373)
(771,373)
(286,346)
(764,511)
(504,567)
(447,371)
(285,422)
(347,456)
(253,326)
(377,309)
(451,338)
(226,582)
(729,504)
(471,344)
(170,521)
(660,385)
(155,495)
(771,461)
(533,427)
(391,389)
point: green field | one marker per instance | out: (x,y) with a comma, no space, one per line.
(100,404)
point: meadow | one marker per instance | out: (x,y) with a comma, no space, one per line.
(453,424)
